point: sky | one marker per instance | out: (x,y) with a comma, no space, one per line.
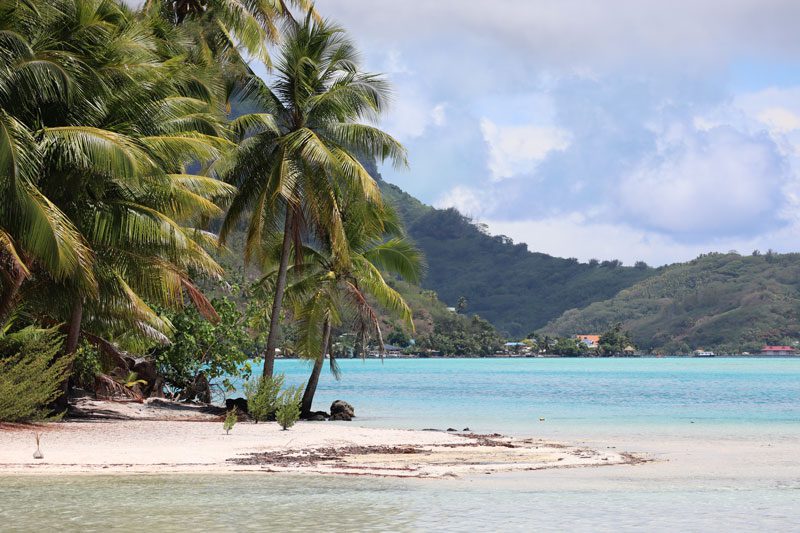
(622,129)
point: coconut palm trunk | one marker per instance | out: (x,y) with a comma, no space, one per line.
(277,299)
(313,380)
(74,331)
(71,344)
(10,297)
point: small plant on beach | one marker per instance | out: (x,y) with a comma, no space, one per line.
(230,420)
(262,397)
(38,453)
(289,407)
(31,374)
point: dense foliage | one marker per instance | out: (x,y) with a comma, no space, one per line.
(459,335)
(218,349)
(723,302)
(118,149)
(31,374)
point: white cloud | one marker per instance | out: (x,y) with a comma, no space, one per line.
(518,149)
(780,119)
(586,33)
(467,200)
(394,63)
(438,116)
(715,182)
(574,235)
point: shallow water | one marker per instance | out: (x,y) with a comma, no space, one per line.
(272,503)
(726,430)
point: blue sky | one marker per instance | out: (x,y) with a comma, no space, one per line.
(625,129)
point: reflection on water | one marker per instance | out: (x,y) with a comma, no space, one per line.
(274,503)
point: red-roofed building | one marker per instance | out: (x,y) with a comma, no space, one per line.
(591,341)
(778,350)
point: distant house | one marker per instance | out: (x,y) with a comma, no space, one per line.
(778,350)
(591,341)
(390,350)
(514,347)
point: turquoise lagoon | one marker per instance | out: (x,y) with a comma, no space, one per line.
(704,412)
(590,395)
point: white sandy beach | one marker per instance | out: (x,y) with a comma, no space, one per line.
(201,446)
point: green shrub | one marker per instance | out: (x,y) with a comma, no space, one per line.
(262,397)
(31,374)
(230,421)
(86,366)
(289,407)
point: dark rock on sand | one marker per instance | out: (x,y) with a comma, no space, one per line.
(315,416)
(341,410)
(239,403)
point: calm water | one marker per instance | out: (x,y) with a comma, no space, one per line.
(627,399)
(592,395)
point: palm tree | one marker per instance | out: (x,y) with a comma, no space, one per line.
(330,291)
(110,127)
(303,148)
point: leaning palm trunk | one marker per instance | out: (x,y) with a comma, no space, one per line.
(311,387)
(277,299)
(10,297)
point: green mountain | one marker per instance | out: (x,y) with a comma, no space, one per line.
(516,290)
(724,302)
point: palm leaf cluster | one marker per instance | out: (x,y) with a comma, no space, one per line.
(101,213)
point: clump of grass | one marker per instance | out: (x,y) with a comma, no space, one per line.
(230,420)
(288,411)
(262,397)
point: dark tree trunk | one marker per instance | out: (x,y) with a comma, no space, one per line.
(277,300)
(74,331)
(73,335)
(10,297)
(313,380)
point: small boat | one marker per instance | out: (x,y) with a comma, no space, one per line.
(703,353)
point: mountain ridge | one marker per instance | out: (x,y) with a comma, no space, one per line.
(517,290)
(726,302)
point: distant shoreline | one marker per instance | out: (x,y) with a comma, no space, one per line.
(648,356)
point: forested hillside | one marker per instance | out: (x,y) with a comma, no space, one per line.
(724,302)
(515,289)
